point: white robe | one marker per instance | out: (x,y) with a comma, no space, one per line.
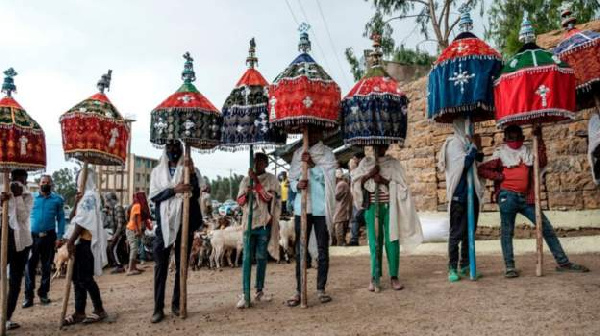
(404,221)
(19,210)
(594,141)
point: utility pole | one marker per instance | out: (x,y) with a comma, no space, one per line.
(230,184)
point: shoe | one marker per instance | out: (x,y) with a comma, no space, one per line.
(323,297)
(175,311)
(452,275)
(241,304)
(511,273)
(466,272)
(158,316)
(27,303)
(45,300)
(572,268)
(10,325)
(353,243)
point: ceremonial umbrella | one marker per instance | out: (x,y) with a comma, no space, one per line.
(374,112)
(581,50)
(304,95)
(189,117)
(93,132)
(534,87)
(22,146)
(246,124)
(461,86)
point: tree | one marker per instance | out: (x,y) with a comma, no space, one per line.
(65,184)
(504,19)
(223,188)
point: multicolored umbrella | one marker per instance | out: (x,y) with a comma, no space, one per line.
(93,131)
(186,115)
(462,79)
(374,112)
(581,50)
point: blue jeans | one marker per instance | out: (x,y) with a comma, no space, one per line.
(358,220)
(259,244)
(510,204)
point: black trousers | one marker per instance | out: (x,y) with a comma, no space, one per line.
(459,233)
(117,251)
(322,234)
(161,268)
(41,250)
(83,278)
(16,261)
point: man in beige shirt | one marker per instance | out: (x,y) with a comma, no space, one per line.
(343,208)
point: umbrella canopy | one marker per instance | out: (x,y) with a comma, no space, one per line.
(22,140)
(461,83)
(581,50)
(304,94)
(186,115)
(245,113)
(535,86)
(94,131)
(375,110)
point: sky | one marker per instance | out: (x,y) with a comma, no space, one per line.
(61,48)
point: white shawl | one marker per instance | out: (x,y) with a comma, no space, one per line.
(19,210)
(452,161)
(513,157)
(323,158)
(171,209)
(404,221)
(594,141)
(88,216)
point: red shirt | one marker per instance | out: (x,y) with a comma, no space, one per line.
(516,178)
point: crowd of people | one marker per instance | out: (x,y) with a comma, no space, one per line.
(375,194)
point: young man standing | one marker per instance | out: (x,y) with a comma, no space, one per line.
(511,169)
(457,156)
(47,229)
(116,220)
(343,208)
(398,219)
(166,191)
(19,238)
(358,213)
(320,187)
(266,208)
(285,185)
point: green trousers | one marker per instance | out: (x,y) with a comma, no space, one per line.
(392,248)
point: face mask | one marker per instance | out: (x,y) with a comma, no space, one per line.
(515,144)
(173,156)
(45,188)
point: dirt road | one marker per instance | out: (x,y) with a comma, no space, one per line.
(556,304)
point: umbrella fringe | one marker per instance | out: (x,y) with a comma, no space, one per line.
(526,116)
(539,69)
(468,58)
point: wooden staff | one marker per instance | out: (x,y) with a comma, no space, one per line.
(4,255)
(378,253)
(471,210)
(185,229)
(538,206)
(303,225)
(71,262)
(247,266)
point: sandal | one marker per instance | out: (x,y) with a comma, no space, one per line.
(572,268)
(396,285)
(324,298)
(134,272)
(293,301)
(10,325)
(511,273)
(95,317)
(72,319)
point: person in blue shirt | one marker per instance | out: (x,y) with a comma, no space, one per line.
(47,229)
(320,187)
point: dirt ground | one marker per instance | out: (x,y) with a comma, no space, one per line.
(556,304)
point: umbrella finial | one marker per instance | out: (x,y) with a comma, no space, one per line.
(465,23)
(251,61)
(104,82)
(304,45)
(376,54)
(568,20)
(188,75)
(526,34)
(9,86)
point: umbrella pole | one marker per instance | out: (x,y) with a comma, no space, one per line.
(4,255)
(185,228)
(247,266)
(376,232)
(71,263)
(538,208)
(303,225)
(471,211)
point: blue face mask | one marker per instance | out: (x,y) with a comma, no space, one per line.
(173,156)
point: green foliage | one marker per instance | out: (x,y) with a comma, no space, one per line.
(220,187)
(65,184)
(505,19)
(406,56)
(355,66)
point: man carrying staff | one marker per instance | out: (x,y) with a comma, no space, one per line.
(511,169)
(47,229)
(457,156)
(88,244)
(266,208)
(167,191)
(320,187)
(398,219)
(19,237)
